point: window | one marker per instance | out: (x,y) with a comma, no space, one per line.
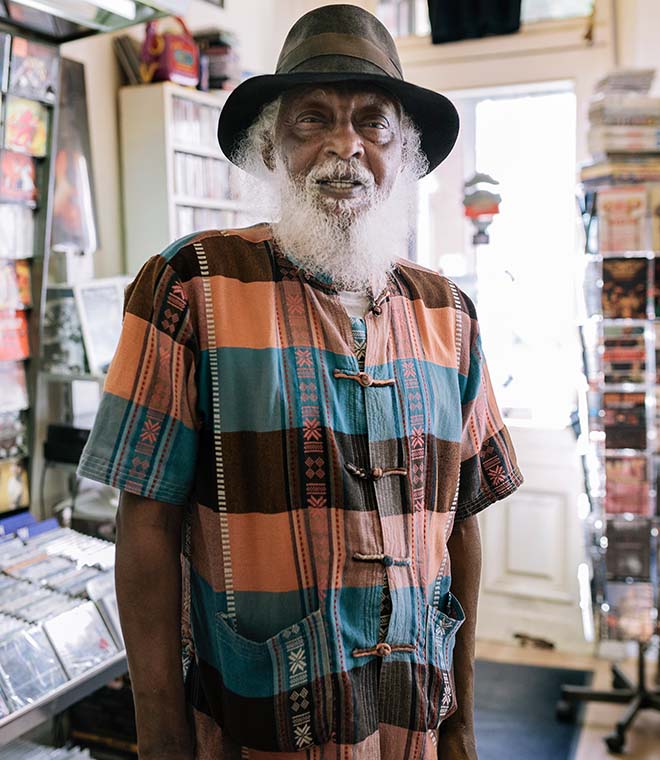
(411,17)
(523,280)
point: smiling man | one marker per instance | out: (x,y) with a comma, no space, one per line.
(302,426)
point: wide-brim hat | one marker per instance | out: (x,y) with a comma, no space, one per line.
(331,45)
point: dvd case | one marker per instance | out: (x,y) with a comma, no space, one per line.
(626,485)
(625,420)
(628,553)
(625,288)
(14,488)
(622,219)
(18,178)
(629,613)
(13,381)
(17,225)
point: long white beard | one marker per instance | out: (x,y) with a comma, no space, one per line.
(354,245)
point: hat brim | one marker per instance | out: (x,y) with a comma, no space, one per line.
(434,115)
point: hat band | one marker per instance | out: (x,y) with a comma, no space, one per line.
(331,43)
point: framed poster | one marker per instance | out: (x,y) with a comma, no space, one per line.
(100,308)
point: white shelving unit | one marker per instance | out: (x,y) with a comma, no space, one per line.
(160,152)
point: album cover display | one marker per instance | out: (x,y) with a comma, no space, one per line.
(625,288)
(17,225)
(629,613)
(622,218)
(80,638)
(14,341)
(626,485)
(13,435)
(14,396)
(33,70)
(15,285)
(624,354)
(29,668)
(14,488)
(73,581)
(26,126)
(628,549)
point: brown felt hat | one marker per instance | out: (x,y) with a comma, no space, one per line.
(334,44)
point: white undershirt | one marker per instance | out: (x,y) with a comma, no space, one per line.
(356,304)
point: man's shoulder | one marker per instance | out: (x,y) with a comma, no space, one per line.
(237,252)
(432,288)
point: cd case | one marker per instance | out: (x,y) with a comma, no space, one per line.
(29,668)
(33,69)
(626,485)
(26,126)
(628,549)
(629,614)
(625,288)
(80,638)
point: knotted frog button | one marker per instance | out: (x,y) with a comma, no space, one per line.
(376,473)
(383,649)
(365,379)
(377,310)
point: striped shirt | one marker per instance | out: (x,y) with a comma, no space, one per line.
(321,465)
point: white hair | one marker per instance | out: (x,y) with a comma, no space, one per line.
(354,250)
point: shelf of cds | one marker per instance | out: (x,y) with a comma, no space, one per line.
(620,333)
(29,82)
(60,636)
(176,179)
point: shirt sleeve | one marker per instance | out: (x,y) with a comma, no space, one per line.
(489,469)
(144,438)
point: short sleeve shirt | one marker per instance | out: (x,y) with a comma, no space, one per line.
(312,478)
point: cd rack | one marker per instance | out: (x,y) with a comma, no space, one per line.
(619,419)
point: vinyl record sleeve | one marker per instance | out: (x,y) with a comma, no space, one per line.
(625,288)
(33,69)
(80,638)
(5,45)
(26,126)
(29,668)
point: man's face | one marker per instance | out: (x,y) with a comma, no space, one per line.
(341,143)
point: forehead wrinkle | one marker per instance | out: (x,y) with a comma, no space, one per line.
(319,95)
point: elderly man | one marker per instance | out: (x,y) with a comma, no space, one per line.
(304,418)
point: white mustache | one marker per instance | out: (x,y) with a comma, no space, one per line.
(337,169)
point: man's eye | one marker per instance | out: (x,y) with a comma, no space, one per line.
(376,125)
(308,119)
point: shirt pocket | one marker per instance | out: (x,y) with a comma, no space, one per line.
(277,694)
(441,629)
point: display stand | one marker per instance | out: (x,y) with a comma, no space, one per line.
(619,440)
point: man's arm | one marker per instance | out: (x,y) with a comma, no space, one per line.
(148,581)
(456,735)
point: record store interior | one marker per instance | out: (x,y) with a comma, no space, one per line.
(543,219)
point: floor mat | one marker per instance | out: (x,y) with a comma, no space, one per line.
(515,712)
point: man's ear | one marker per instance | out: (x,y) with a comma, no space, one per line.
(268,154)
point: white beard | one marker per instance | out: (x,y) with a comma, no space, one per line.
(352,243)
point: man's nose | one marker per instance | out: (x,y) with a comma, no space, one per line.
(344,142)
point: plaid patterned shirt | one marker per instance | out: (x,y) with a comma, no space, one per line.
(316,484)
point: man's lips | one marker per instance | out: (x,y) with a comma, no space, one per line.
(340,188)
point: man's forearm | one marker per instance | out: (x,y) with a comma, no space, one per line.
(148,581)
(465,553)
